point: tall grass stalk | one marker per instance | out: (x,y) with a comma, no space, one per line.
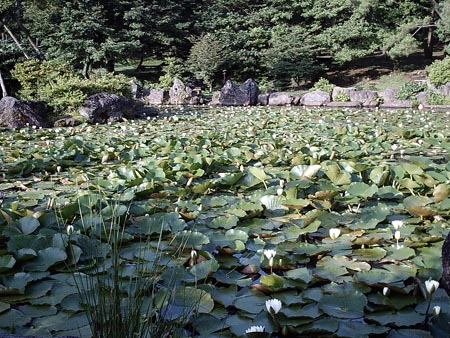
(123,297)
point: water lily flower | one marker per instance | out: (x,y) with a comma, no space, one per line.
(397,224)
(431,286)
(270,254)
(386,291)
(436,310)
(194,254)
(273,306)
(334,233)
(255,328)
(69,230)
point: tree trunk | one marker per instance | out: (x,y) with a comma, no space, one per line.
(428,50)
(2,84)
(16,41)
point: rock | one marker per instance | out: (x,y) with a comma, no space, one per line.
(105,107)
(341,104)
(67,122)
(368,98)
(422,97)
(157,96)
(390,99)
(341,90)
(445,89)
(316,98)
(136,90)
(19,114)
(263,99)
(283,99)
(233,95)
(179,93)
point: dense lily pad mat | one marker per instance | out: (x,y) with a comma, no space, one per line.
(229,184)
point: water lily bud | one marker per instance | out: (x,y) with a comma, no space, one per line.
(255,328)
(431,286)
(194,254)
(69,230)
(334,233)
(280,191)
(397,224)
(273,306)
(386,291)
(282,183)
(436,310)
(397,235)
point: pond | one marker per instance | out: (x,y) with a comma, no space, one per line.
(352,204)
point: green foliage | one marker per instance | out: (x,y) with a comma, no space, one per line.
(437,98)
(205,58)
(342,97)
(61,87)
(409,90)
(173,68)
(324,85)
(290,57)
(439,71)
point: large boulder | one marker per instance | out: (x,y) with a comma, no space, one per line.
(390,99)
(316,98)
(367,98)
(106,107)
(283,99)
(340,91)
(19,114)
(182,94)
(231,94)
(156,96)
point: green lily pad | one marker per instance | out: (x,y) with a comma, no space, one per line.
(347,304)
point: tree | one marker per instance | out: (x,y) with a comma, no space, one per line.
(206,58)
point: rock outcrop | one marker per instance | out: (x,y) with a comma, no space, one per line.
(106,107)
(19,114)
(231,94)
(316,98)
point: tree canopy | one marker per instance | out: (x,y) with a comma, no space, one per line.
(277,40)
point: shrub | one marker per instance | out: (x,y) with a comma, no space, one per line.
(409,90)
(172,69)
(342,97)
(324,85)
(62,87)
(437,98)
(439,71)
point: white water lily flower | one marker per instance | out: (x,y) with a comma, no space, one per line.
(273,306)
(334,233)
(436,310)
(256,328)
(397,224)
(386,291)
(270,254)
(431,286)
(69,230)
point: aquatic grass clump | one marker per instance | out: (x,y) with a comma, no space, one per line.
(121,287)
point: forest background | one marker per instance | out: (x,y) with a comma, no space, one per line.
(279,43)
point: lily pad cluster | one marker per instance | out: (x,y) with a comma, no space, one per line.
(352,204)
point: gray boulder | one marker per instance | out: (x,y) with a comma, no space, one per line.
(106,107)
(283,99)
(341,90)
(263,99)
(233,95)
(390,99)
(180,93)
(19,114)
(316,98)
(156,96)
(367,98)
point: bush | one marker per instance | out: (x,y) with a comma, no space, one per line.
(324,85)
(173,68)
(437,98)
(409,90)
(439,71)
(342,97)
(61,87)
